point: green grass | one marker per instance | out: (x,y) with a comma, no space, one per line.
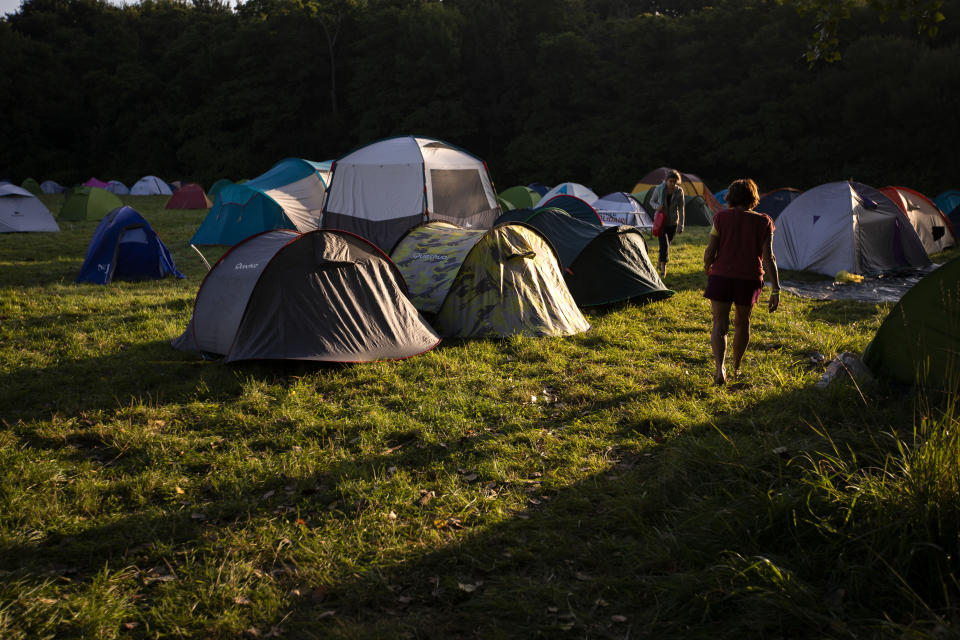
(593,486)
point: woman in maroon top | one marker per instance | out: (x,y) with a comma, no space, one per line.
(741,245)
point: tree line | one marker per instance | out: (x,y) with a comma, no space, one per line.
(592,91)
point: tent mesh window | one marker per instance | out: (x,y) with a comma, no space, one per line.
(458,192)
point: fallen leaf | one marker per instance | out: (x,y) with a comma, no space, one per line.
(580,575)
(425,497)
(327,614)
(131,625)
(470,477)
(552,609)
(178,490)
(242,601)
(391,516)
(469,588)
(618,618)
(268,494)
(47,600)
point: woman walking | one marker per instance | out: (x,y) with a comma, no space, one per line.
(740,248)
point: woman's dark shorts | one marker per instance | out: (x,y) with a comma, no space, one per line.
(735,290)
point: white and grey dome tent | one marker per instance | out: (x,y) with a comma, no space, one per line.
(385,188)
(846,226)
(20,210)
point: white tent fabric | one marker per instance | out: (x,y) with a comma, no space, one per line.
(570,189)
(302,201)
(846,226)
(20,210)
(385,188)
(927,220)
(619,208)
(150,186)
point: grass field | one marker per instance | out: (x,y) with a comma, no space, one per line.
(597,486)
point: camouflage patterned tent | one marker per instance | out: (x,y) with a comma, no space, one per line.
(500,282)
(601,265)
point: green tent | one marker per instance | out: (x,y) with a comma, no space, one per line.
(88,203)
(498,282)
(520,197)
(32,186)
(505,205)
(697,213)
(919,341)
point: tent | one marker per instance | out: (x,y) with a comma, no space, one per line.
(539,188)
(695,210)
(948,201)
(117,188)
(574,206)
(567,189)
(919,340)
(20,210)
(846,226)
(219,184)
(691,184)
(51,186)
(150,186)
(32,186)
(774,202)
(520,197)
(498,282)
(189,196)
(288,196)
(383,189)
(721,197)
(125,247)
(601,265)
(95,182)
(619,208)
(932,227)
(324,295)
(88,203)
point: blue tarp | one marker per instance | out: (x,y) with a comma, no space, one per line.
(125,247)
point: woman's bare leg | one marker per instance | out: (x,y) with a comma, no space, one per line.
(741,333)
(718,337)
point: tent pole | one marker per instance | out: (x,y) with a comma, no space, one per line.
(207,264)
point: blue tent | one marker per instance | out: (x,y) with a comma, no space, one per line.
(948,201)
(576,207)
(539,188)
(125,247)
(721,197)
(774,202)
(288,196)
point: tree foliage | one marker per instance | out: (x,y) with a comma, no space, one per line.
(594,91)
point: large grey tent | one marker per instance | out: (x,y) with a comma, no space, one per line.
(601,265)
(20,210)
(846,226)
(324,295)
(500,282)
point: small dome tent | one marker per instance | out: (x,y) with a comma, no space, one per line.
(498,282)
(95,182)
(774,202)
(324,296)
(567,189)
(691,184)
(932,227)
(948,202)
(539,187)
(383,189)
(919,340)
(20,210)
(288,196)
(601,265)
(88,203)
(125,247)
(189,196)
(619,208)
(117,188)
(520,197)
(846,226)
(31,185)
(150,186)
(52,186)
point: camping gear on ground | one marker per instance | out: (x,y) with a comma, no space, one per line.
(52,186)
(189,196)
(20,210)
(288,196)
(325,295)
(520,197)
(658,219)
(117,188)
(125,247)
(498,282)
(88,203)
(932,227)
(32,186)
(919,340)
(846,226)
(567,189)
(619,208)
(601,265)
(383,189)
(691,184)
(217,186)
(774,202)
(574,206)
(150,186)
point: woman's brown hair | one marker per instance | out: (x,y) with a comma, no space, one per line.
(743,193)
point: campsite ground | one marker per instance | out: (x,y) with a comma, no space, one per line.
(597,485)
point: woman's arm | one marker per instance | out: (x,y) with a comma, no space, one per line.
(770,266)
(710,254)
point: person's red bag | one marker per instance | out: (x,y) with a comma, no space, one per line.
(658,223)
